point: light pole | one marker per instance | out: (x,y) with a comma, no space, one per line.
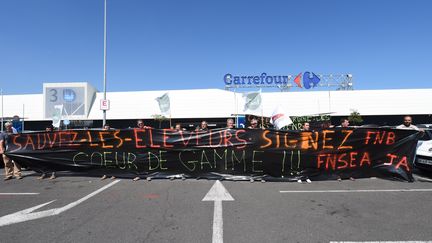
(105,62)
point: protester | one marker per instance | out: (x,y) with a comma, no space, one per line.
(326,125)
(49,128)
(178,127)
(307,180)
(140,124)
(11,167)
(253,124)
(230,123)
(407,124)
(16,124)
(107,127)
(306,127)
(203,127)
(344,123)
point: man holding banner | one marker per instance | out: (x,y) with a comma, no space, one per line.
(230,123)
(11,167)
(407,124)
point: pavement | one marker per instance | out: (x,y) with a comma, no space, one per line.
(87,209)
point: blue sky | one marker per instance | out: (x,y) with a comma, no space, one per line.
(159,45)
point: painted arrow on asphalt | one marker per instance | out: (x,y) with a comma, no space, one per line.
(28,214)
(218,193)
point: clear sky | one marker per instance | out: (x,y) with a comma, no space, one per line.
(172,44)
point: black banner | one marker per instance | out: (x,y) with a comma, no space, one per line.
(222,154)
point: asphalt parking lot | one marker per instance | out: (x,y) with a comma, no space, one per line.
(87,209)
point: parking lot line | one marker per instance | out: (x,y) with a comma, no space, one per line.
(372,190)
(381,241)
(29,214)
(19,193)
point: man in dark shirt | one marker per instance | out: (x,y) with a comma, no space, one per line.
(344,123)
(49,128)
(17,124)
(203,127)
(306,127)
(11,167)
(253,124)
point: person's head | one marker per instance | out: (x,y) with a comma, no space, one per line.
(230,123)
(254,123)
(49,128)
(106,126)
(407,121)
(16,118)
(203,125)
(344,122)
(8,126)
(326,124)
(178,127)
(306,126)
(140,123)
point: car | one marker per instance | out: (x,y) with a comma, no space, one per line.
(423,160)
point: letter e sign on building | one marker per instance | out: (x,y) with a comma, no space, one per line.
(104,105)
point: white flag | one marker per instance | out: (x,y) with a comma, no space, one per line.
(279,119)
(57,115)
(252,103)
(164,104)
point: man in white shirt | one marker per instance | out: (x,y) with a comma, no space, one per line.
(407,124)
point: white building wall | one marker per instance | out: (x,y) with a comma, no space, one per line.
(33,106)
(215,103)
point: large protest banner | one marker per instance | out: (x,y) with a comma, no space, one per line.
(222,154)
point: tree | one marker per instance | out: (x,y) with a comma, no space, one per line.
(159,118)
(355,118)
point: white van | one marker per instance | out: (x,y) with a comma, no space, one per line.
(423,159)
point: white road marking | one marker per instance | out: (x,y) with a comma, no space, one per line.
(28,214)
(372,190)
(380,241)
(218,193)
(421,178)
(19,193)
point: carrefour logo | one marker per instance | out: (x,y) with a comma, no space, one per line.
(305,80)
(310,80)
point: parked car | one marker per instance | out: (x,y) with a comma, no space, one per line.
(423,159)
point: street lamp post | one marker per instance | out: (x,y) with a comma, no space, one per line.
(105,62)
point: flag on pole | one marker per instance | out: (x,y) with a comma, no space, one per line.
(164,104)
(57,116)
(279,119)
(252,103)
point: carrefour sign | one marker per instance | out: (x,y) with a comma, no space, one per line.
(305,80)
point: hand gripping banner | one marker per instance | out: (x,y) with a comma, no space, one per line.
(237,154)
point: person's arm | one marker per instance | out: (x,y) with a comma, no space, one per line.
(1,146)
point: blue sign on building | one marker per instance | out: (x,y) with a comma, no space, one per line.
(241,122)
